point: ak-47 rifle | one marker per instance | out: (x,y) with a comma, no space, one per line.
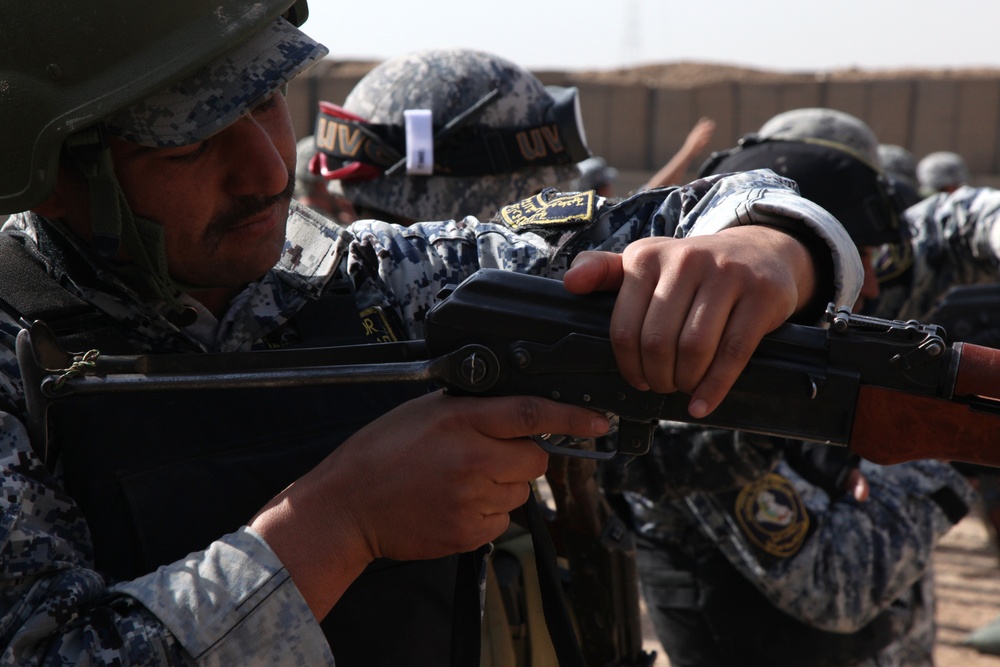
(891,391)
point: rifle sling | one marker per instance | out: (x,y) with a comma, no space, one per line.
(554,605)
(29,293)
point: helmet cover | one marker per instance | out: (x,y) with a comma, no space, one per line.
(487,100)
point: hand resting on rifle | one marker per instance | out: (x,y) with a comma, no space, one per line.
(691,311)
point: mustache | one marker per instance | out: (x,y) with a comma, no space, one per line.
(242,208)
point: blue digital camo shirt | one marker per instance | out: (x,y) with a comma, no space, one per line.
(955,240)
(827,560)
(233,603)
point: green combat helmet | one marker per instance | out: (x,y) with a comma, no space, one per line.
(158,74)
(447,132)
(823,124)
(90,69)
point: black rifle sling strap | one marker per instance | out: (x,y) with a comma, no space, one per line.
(554,605)
(29,293)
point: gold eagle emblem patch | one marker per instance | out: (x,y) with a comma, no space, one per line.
(771,514)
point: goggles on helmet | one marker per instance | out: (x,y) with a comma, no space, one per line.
(351,148)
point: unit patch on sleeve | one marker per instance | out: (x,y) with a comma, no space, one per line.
(550,209)
(772,516)
(377,327)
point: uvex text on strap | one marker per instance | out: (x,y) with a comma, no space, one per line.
(462,147)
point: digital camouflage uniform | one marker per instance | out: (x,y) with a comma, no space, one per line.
(955,240)
(823,558)
(234,604)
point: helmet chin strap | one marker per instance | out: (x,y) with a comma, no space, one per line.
(114,225)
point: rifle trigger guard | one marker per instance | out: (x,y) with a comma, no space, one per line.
(553,445)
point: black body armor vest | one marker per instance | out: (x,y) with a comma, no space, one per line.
(161,475)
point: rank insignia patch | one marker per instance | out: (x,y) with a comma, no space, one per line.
(377,327)
(548,209)
(773,517)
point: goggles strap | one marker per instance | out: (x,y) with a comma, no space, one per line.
(459,147)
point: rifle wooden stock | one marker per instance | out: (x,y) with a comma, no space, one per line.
(978,371)
(892,426)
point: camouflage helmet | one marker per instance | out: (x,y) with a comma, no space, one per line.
(822,124)
(942,171)
(595,173)
(832,156)
(494,132)
(99,58)
(902,166)
(898,161)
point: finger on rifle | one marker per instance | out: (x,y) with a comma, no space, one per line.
(739,339)
(509,417)
(649,315)
(594,271)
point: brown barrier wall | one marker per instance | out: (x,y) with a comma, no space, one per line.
(637,126)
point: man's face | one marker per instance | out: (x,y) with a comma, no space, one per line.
(223,202)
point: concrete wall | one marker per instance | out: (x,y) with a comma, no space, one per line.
(637,128)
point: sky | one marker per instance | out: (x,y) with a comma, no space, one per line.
(781,35)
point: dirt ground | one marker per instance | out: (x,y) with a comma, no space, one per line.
(968,595)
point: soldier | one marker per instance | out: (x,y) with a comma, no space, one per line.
(952,246)
(452,84)
(941,171)
(901,165)
(761,550)
(597,175)
(150,160)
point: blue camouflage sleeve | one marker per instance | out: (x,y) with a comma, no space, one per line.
(406,267)
(853,558)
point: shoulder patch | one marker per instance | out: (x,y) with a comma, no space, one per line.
(771,514)
(549,209)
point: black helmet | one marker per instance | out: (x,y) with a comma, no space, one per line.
(832,157)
